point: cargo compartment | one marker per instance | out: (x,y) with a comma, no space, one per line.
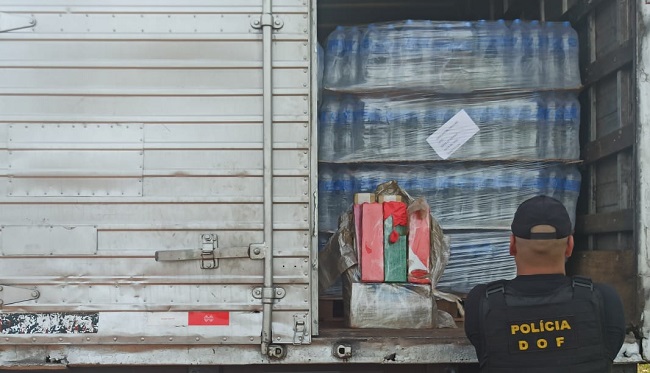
(135,197)
(600,163)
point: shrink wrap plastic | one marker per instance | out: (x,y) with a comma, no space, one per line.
(389,87)
(461,195)
(452,57)
(366,303)
(533,126)
(477,257)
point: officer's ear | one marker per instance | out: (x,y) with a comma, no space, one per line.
(513,247)
(569,247)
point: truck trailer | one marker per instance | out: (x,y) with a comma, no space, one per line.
(159,183)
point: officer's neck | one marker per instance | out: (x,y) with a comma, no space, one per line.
(546,270)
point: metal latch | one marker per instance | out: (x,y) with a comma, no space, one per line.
(267,20)
(12,22)
(208,244)
(209,253)
(299,329)
(12,294)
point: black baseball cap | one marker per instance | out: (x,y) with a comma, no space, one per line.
(541,210)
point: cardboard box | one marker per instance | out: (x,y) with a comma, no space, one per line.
(371,250)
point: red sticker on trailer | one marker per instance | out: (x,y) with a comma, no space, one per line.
(208,318)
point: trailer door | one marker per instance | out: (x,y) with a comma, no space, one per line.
(133,203)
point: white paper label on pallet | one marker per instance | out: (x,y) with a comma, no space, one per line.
(453,134)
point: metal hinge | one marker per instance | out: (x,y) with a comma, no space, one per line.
(267,20)
(210,252)
(12,22)
(267,295)
(299,329)
(12,294)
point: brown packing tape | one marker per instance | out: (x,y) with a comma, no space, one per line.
(360,198)
(390,198)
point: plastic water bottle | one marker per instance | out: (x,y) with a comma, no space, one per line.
(570,144)
(325,195)
(527,42)
(424,35)
(554,183)
(447,196)
(334,58)
(370,121)
(351,58)
(414,143)
(475,145)
(328,119)
(490,195)
(490,138)
(554,113)
(344,193)
(376,59)
(517,54)
(509,189)
(466,196)
(369,112)
(397,126)
(570,64)
(554,75)
(492,38)
(408,54)
(503,132)
(459,56)
(525,113)
(370,36)
(538,49)
(421,150)
(394,75)
(572,183)
(344,146)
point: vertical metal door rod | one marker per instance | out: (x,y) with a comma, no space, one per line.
(268,291)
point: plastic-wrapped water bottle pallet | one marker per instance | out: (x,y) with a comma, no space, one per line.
(404,90)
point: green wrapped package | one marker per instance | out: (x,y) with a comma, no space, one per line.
(395,261)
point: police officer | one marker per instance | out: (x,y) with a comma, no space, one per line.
(542,320)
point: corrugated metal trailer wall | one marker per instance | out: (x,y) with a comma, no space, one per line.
(606,245)
(130,127)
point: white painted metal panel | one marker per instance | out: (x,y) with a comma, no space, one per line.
(73,51)
(123,107)
(286,189)
(189,77)
(223,162)
(126,272)
(192,6)
(223,135)
(75,136)
(197,80)
(155,297)
(77,163)
(139,243)
(36,186)
(48,240)
(219,215)
(148,328)
(159,23)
